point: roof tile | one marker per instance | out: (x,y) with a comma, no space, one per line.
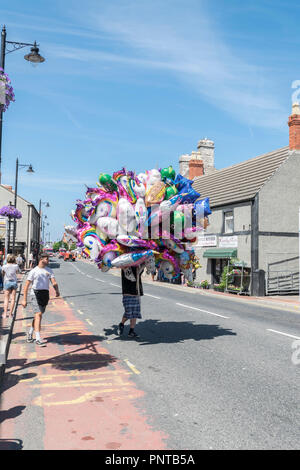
(240,182)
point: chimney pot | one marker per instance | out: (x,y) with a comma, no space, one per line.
(196,168)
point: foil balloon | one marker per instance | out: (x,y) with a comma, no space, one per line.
(167,173)
(141,216)
(131,259)
(150,265)
(156,194)
(126,216)
(135,242)
(107,182)
(71,230)
(169,265)
(202,208)
(93,246)
(153,177)
(189,197)
(80,214)
(108,254)
(142,177)
(137,187)
(150,218)
(109,226)
(172,245)
(170,191)
(126,182)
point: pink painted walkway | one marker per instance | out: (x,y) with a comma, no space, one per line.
(72,394)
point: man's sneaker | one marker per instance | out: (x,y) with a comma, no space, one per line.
(29,338)
(120,329)
(40,343)
(132,334)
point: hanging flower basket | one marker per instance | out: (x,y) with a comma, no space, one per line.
(6,91)
(10,211)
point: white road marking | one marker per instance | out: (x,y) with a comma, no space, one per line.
(91,277)
(89,322)
(200,310)
(154,296)
(100,280)
(114,284)
(79,311)
(284,334)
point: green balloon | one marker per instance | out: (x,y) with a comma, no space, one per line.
(106,180)
(170,192)
(168,173)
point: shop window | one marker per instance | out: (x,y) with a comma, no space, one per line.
(228,222)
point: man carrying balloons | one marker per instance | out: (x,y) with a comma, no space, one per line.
(132,290)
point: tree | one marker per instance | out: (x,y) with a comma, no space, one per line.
(58,245)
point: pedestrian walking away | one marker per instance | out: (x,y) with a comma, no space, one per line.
(132,290)
(10,284)
(31,260)
(19,261)
(39,280)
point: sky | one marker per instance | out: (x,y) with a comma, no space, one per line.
(137,83)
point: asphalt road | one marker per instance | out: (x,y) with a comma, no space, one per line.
(217,373)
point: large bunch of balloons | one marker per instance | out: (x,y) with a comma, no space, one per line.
(152,218)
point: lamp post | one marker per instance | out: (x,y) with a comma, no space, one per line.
(40,220)
(33,57)
(8,234)
(30,170)
(43,227)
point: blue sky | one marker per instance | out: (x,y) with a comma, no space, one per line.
(137,83)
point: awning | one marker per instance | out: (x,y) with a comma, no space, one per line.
(220,253)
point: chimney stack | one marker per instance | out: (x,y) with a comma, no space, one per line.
(294,125)
(196,168)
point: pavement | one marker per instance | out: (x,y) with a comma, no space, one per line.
(208,372)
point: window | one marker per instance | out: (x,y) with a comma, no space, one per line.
(228,222)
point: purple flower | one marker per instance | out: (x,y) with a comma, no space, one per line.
(10,211)
(9,92)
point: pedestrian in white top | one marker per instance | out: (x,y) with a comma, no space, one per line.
(19,261)
(39,279)
(10,271)
(31,260)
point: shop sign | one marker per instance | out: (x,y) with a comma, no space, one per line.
(207,240)
(228,242)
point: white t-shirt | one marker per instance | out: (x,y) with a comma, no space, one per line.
(10,272)
(40,278)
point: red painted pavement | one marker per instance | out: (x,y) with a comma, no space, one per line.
(86,398)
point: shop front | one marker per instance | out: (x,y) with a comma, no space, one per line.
(218,258)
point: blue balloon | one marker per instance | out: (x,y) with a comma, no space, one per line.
(183,183)
(189,197)
(202,208)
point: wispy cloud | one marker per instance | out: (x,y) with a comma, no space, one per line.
(186,42)
(58,184)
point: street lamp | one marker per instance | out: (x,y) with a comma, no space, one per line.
(6,48)
(30,170)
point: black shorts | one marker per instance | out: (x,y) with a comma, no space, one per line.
(39,300)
